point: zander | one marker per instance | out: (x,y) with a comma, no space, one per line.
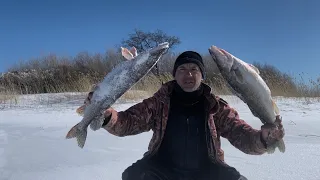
(245,82)
(113,86)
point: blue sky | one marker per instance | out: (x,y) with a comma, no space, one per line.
(283,33)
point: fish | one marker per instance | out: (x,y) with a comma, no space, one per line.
(244,81)
(128,55)
(113,86)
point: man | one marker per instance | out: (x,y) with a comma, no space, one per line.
(187,121)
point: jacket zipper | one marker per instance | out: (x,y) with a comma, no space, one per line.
(198,140)
(186,143)
(188,126)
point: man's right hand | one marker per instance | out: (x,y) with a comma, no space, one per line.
(108,112)
(80,110)
(107,116)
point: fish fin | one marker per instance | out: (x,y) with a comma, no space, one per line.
(80,110)
(133,51)
(275,107)
(126,53)
(96,123)
(80,134)
(254,68)
(72,132)
(238,75)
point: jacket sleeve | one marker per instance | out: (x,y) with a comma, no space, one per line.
(136,119)
(237,131)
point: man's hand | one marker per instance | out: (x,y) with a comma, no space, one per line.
(108,112)
(272,133)
(87,101)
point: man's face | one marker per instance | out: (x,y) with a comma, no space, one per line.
(188,76)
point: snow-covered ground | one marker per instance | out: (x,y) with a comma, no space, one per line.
(33,144)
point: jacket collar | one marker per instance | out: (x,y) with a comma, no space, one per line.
(164,93)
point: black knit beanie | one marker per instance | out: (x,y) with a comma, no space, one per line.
(189,57)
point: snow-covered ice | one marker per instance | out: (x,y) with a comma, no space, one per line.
(33,144)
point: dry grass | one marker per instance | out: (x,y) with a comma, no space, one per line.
(52,74)
(135,94)
(8,97)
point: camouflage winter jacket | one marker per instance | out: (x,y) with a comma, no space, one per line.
(152,114)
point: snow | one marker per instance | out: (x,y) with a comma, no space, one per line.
(33,144)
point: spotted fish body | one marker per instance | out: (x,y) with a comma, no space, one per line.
(245,82)
(113,86)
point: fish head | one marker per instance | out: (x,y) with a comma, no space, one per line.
(159,50)
(222,58)
(233,69)
(150,57)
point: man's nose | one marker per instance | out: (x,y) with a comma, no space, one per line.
(189,73)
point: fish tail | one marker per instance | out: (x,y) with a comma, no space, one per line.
(279,144)
(79,133)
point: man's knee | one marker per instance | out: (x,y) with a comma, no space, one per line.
(242,178)
(218,171)
(134,171)
(231,173)
(144,169)
(140,175)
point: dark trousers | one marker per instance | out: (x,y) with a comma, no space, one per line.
(152,169)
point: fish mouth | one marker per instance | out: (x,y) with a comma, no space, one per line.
(215,53)
(222,58)
(220,50)
(161,47)
(224,52)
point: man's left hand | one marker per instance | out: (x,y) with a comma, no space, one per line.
(272,133)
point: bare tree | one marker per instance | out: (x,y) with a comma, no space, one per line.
(146,40)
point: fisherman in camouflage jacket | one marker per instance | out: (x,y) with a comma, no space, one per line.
(187,121)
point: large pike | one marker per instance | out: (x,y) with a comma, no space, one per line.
(245,82)
(113,86)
